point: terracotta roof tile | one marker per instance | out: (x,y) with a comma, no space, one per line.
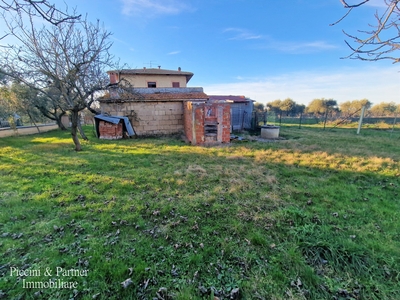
(157,97)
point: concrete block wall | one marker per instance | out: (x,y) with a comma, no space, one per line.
(152,118)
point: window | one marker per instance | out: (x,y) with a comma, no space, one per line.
(151,84)
(175,84)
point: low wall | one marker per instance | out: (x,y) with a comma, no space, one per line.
(25,130)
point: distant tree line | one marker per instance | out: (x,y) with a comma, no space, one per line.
(328,108)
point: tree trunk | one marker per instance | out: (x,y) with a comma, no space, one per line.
(59,123)
(33,121)
(53,116)
(82,133)
(326,117)
(74,129)
(59,120)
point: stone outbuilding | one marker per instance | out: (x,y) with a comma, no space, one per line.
(155,112)
(158,102)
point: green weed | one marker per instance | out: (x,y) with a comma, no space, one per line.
(312,216)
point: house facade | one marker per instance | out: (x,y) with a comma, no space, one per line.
(152,78)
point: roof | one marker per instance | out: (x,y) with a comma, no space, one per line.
(178,96)
(154,71)
(164,95)
(235,99)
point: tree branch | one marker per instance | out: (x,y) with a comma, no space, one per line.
(383,39)
(41,8)
(354,5)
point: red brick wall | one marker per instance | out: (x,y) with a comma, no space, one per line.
(199,111)
(195,117)
(226,123)
(187,119)
(110,131)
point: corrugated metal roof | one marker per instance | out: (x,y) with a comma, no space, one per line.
(116,120)
(229,97)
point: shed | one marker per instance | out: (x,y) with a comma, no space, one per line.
(113,127)
(241,110)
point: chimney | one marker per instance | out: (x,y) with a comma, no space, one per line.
(144,68)
(113,77)
(159,67)
(179,69)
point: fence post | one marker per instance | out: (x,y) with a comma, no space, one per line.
(301,114)
(394,123)
(361,119)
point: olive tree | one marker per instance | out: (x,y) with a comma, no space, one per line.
(51,106)
(259,107)
(70,57)
(321,107)
(353,108)
(287,105)
(385,109)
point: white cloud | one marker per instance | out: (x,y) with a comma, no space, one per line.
(374,84)
(154,7)
(300,47)
(293,47)
(242,34)
(174,52)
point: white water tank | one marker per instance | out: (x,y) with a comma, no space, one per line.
(269,132)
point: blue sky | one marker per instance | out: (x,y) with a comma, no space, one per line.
(263,49)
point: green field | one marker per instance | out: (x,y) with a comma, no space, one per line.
(315,215)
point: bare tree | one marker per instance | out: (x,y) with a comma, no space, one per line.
(71,57)
(40,8)
(382,39)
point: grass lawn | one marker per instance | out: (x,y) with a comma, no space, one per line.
(314,216)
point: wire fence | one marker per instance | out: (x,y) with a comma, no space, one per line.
(335,121)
